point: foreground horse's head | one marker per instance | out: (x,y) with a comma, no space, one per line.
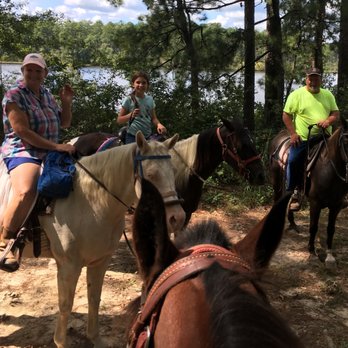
(202,291)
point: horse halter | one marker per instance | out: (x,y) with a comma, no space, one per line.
(189,263)
(233,154)
(139,172)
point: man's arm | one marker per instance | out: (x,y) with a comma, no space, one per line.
(295,139)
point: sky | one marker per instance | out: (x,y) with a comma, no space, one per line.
(94,10)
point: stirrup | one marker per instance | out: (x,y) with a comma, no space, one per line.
(296,200)
(14,246)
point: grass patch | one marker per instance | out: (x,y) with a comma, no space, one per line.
(236,196)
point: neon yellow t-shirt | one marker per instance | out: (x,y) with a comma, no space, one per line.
(307,108)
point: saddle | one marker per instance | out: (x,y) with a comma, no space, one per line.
(281,154)
(31,230)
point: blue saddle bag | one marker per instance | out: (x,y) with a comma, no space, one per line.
(57,178)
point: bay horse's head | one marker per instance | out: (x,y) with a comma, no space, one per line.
(201,291)
(153,163)
(239,151)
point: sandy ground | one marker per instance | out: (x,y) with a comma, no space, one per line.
(312,299)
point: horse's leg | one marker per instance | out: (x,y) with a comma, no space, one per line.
(278,184)
(330,261)
(277,180)
(292,223)
(67,276)
(313,225)
(95,278)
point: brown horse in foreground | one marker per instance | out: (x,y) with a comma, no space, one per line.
(201,291)
(326,185)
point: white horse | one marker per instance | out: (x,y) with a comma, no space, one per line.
(85,227)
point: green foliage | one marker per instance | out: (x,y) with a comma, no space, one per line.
(237,196)
(95,103)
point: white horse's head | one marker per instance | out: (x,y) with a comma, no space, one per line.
(153,162)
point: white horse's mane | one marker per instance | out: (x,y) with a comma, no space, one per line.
(183,158)
(98,164)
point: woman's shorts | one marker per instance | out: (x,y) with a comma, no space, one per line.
(13,162)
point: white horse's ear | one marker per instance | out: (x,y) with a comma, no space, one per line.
(141,141)
(171,141)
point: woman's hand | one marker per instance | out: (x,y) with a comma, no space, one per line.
(66,148)
(66,94)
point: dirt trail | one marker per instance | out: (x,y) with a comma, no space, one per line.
(313,300)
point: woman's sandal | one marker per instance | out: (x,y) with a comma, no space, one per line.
(9,256)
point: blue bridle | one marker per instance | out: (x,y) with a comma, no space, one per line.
(139,158)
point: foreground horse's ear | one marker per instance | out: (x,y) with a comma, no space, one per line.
(153,247)
(141,141)
(169,143)
(259,245)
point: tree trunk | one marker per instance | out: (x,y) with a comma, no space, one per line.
(249,58)
(274,72)
(342,82)
(320,26)
(183,22)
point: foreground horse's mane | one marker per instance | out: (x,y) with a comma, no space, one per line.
(240,319)
(203,232)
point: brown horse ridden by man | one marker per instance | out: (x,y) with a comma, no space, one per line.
(326,182)
(197,157)
(201,291)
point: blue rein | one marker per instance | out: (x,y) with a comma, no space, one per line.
(139,158)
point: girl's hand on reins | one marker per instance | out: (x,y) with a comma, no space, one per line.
(135,113)
(161,129)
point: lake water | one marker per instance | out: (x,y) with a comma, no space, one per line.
(10,72)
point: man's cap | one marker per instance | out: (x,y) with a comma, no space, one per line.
(34,58)
(313,71)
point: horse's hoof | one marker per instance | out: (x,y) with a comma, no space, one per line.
(293,227)
(330,263)
(312,257)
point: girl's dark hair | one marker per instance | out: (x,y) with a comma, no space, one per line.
(141,74)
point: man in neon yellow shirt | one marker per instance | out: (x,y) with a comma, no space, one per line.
(306,106)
